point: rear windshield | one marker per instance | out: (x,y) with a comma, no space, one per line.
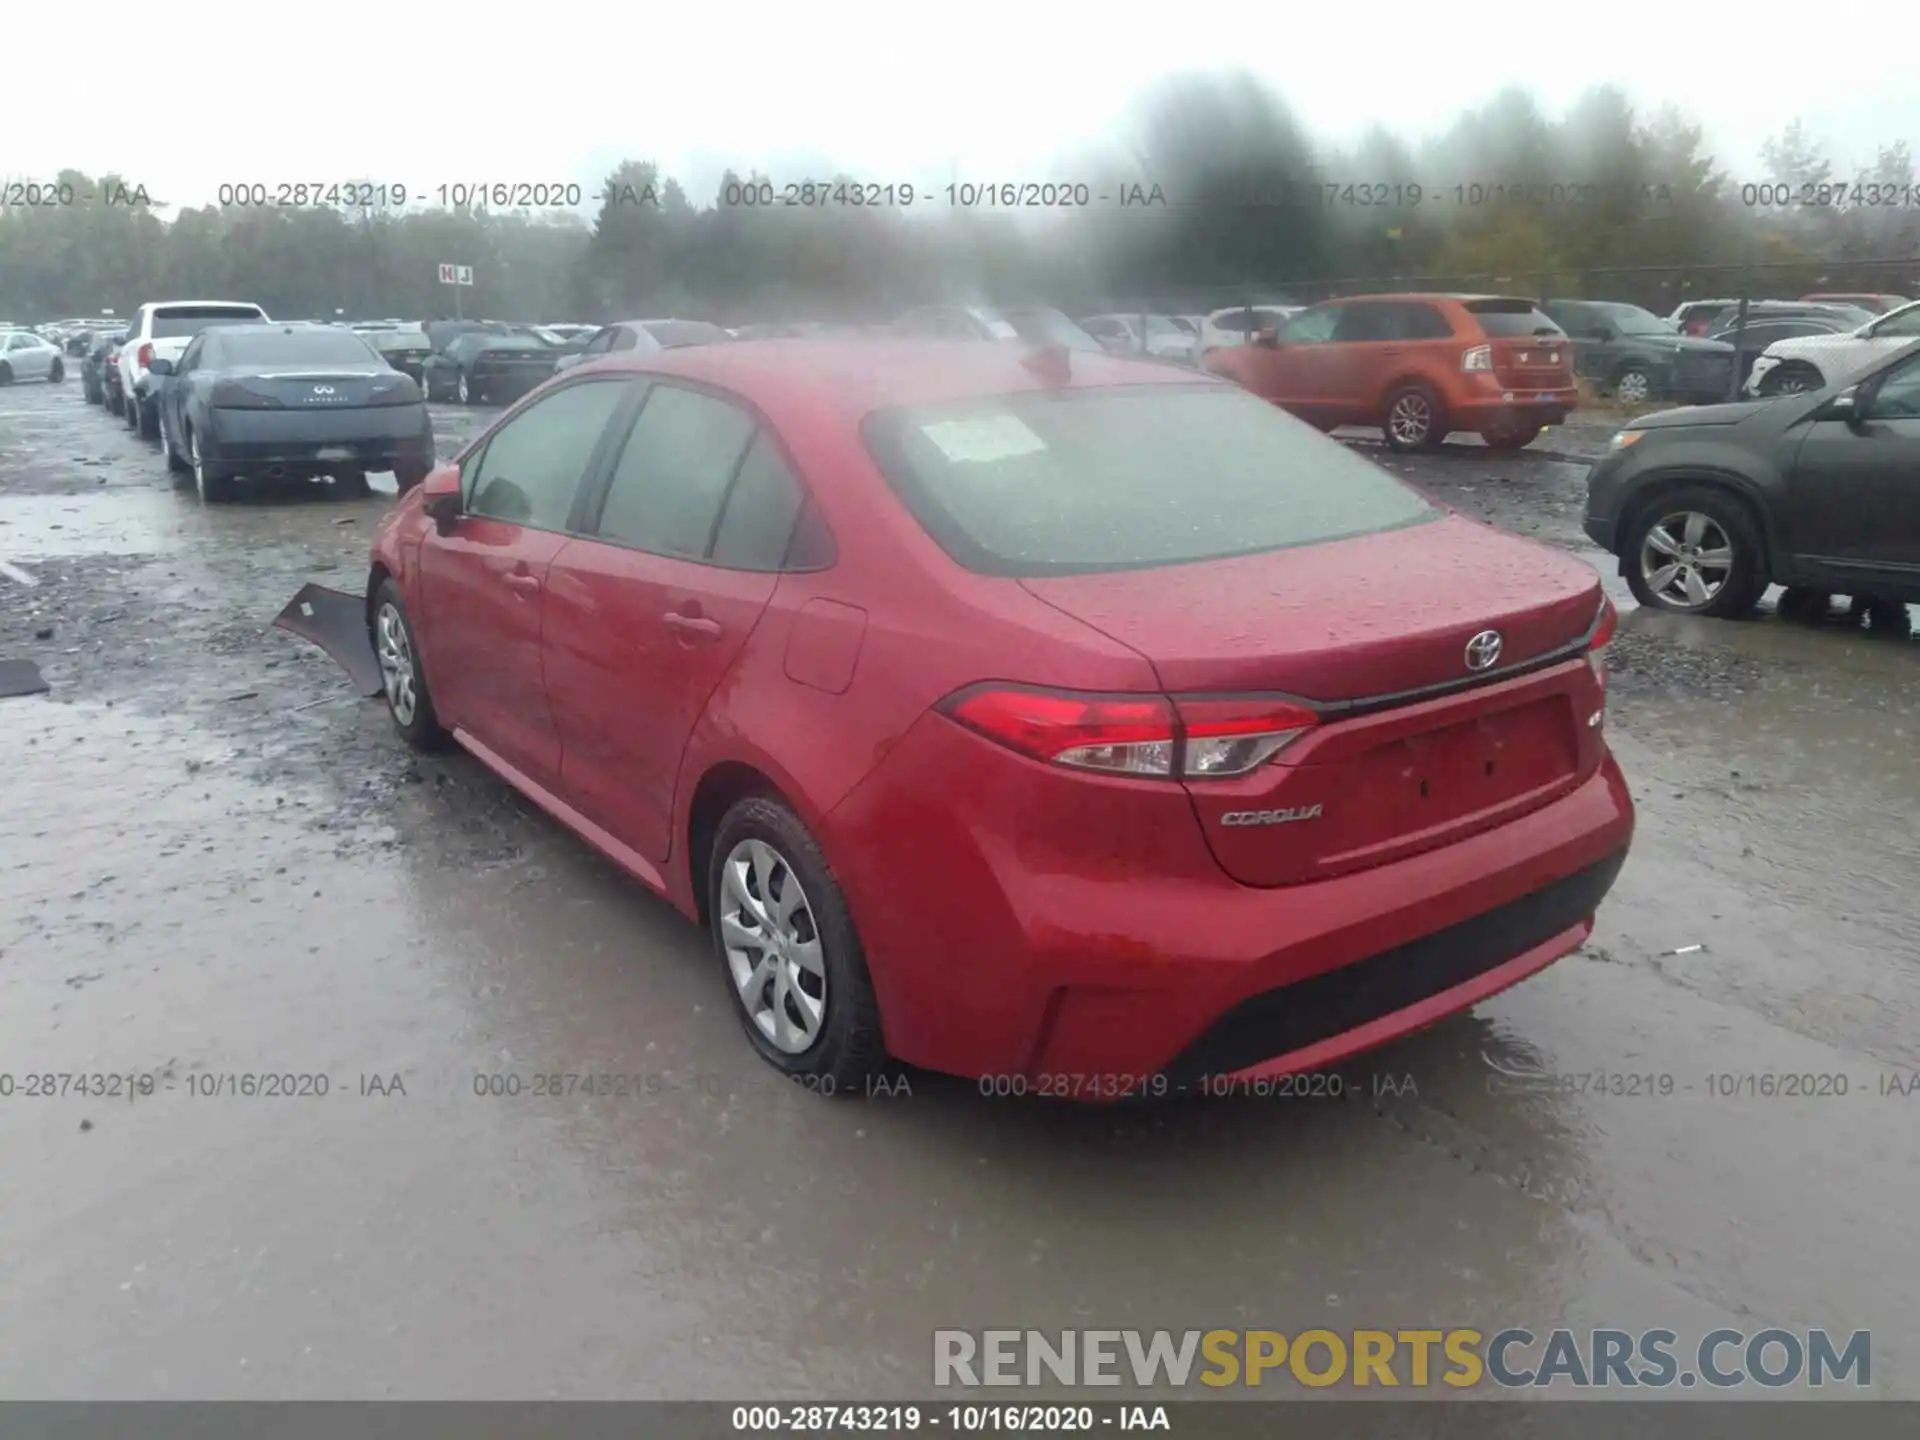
(267,346)
(174,323)
(1500,318)
(398,339)
(672,333)
(1127,478)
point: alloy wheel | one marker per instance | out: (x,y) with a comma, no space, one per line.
(1633,388)
(397,677)
(1411,419)
(466,396)
(1686,559)
(1794,382)
(773,946)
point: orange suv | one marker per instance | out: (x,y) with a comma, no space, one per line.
(1418,366)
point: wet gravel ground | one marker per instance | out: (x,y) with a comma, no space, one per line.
(215,861)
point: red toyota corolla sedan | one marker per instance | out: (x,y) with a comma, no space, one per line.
(1065,718)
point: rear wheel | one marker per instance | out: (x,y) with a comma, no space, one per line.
(1793,378)
(1885,619)
(114,401)
(464,390)
(407,475)
(353,484)
(402,681)
(1633,386)
(1412,421)
(175,462)
(57,371)
(213,483)
(1805,604)
(792,958)
(1696,551)
(149,420)
(1509,438)
(6,373)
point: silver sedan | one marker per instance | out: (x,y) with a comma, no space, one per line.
(25,356)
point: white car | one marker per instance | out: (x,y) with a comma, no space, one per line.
(162,329)
(1812,362)
(1161,336)
(26,356)
(1224,329)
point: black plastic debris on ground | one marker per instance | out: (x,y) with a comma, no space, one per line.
(337,623)
(21,677)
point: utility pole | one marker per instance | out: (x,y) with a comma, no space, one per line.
(1740,319)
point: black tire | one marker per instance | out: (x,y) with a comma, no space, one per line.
(149,420)
(1508,440)
(849,1050)
(409,476)
(466,391)
(1401,421)
(1796,377)
(130,413)
(114,401)
(91,390)
(177,463)
(6,373)
(1884,619)
(57,372)
(1746,577)
(1632,385)
(422,728)
(353,484)
(1804,604)
(213,483)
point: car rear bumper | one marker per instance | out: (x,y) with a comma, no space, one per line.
(1512,408)
(1143,968)
(376,437)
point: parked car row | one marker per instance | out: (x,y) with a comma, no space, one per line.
(231,394)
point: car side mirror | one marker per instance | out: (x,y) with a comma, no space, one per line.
(440,497)
(160,367)
(1850,405)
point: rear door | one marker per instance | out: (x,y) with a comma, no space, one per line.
(484,583)
(1854,497)
(652,606)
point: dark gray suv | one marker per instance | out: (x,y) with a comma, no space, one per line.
(1635,356)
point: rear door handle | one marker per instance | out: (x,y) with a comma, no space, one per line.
(693,626)
(525,584)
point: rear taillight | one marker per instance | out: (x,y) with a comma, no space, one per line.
(1478,360)
(1143,735)
(144,355)
(1604,624)
(229,396)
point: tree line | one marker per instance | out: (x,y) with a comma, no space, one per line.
(1217,196)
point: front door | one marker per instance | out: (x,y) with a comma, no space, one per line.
(1854,496)
(483,584)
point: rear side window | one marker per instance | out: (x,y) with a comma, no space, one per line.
(673,473)
(1127,478)
(761,509)
(1500,319)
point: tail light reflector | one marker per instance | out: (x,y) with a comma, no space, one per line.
(1143,735)
(144,355)
(1604,624)
(1478,360)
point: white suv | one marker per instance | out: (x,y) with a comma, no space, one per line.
(162,329)
(1812,362)
(1237,325)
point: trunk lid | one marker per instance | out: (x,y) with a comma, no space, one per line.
(1533,362)
(316,389)
(1353,627)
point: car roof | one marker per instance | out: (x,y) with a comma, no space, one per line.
(196,304)
(1456,297)
(795,378)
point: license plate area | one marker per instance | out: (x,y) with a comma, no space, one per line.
(1461,770)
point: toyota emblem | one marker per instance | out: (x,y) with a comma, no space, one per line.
(1483,650)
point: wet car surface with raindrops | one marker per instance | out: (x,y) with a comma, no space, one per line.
(339,978)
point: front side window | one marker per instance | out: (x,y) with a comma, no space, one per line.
(1313,327)
(1898,397)
(531,469)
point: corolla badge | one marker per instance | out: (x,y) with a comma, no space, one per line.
(1271,817)
(1483,650)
